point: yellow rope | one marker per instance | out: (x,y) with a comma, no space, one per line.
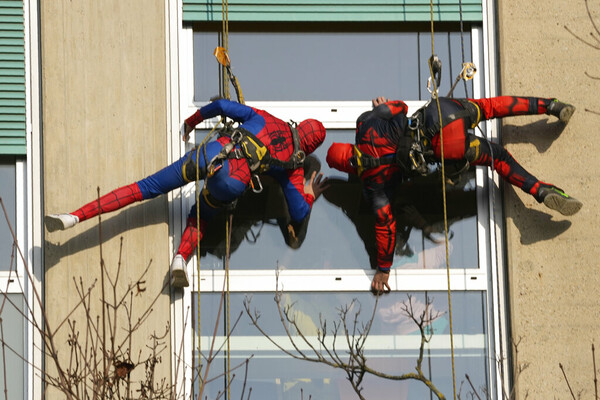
(200,383)
(198,149)
(225,10)
(435,94)
(225,42)
(228,227)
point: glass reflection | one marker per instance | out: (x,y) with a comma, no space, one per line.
(392,346)
(341,234)
(317,66)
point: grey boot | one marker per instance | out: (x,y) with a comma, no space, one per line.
(560,110)
(556,199)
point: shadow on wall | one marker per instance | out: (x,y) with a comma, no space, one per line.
(533,225)
(541,134)
(146,213)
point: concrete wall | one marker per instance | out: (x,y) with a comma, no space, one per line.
(104,125)
(553,260)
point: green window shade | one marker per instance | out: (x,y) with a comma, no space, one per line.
(12,78)
(333,10)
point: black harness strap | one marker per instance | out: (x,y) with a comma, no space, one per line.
(244,144)
(404,157)
(258,155)
(216,203)
(470,113)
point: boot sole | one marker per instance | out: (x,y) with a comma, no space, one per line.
(53,224)
(564,205)
(179,279)
(566,113)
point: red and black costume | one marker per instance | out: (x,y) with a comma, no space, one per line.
(381,131)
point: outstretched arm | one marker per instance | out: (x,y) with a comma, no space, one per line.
(249,118)
(385,233)
(387,109)
(295,229)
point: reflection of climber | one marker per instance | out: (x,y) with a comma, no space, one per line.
(228,166)
(429,258)
(254,212)
(417,205)
(386,150)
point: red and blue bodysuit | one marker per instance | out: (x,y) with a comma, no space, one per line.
(231,177)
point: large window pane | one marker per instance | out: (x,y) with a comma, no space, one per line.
(8,193)
(342,66)
(12,365)
(392,346)
(341,229)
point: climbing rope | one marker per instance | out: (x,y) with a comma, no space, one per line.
(225,35)
(225,44)
(198,237)
(435,89)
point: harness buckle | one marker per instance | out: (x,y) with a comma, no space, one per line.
(237,136)
(417,159)
(237,153)
(300,156)
(414,123)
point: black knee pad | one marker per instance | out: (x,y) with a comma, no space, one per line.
(190,170)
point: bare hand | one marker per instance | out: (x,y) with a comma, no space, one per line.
(316,186)
(380,282)
(379,100)
(187,129)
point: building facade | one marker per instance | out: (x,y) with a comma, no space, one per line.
(94,94)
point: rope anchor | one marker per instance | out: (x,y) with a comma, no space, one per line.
(222,57)
(436,74)
(467,73)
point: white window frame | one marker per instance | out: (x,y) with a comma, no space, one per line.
(489,218)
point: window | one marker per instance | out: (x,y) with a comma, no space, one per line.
(331,75)
(12,279)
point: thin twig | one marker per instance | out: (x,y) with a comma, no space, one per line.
(566,380)
(595,373)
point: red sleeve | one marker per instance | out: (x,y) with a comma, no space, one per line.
(194,119)
(397,107)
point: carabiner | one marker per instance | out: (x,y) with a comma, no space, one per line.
(256,184)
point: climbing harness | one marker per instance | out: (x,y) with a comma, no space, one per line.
(412,155)
(470,113)
(242,145)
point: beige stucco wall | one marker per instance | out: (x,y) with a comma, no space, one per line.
(104,113)
(553,260)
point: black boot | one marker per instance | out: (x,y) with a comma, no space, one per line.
(560,110)
(558,200)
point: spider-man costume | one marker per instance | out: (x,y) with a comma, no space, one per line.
(379,131)
(231,176)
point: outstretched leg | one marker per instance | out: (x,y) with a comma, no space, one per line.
(506,106)
(112,201)
(189,241)
(482,152)
(163,181)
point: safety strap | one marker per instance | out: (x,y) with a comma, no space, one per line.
(411,156)
(258,155)
(244,144)
(470,112)
(216,203)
